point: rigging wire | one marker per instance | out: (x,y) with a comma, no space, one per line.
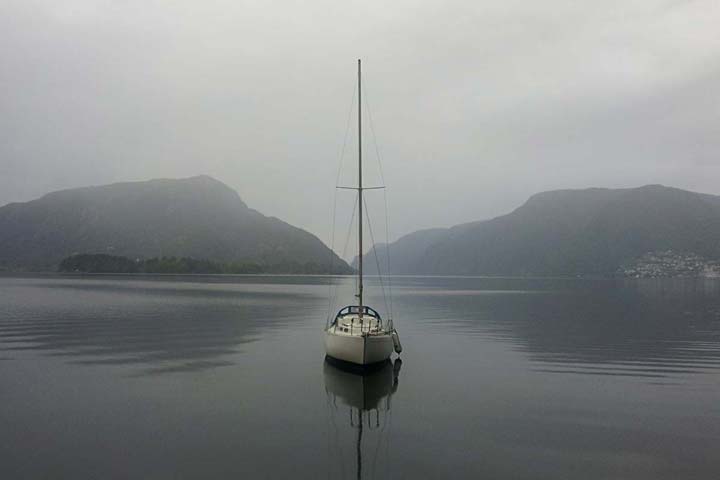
(377,261)
(333,297)
(372,131)
(331,282)
(387,257)
(387,222)
(347,131)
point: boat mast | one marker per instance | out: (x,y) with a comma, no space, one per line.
(360,199)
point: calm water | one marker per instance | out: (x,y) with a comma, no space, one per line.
(224,377)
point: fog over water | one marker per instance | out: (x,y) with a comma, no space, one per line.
(476,105)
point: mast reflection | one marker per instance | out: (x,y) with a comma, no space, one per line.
(359,401)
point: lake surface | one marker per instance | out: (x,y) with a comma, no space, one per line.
(224,377)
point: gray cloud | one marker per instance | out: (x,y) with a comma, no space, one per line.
(476,104)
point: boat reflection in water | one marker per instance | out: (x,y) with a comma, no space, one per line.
(359,403)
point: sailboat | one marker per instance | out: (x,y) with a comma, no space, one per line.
(357,334)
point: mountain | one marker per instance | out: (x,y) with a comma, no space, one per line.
(197,217)
(567,232)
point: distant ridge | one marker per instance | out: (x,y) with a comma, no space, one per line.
(198,217)
(567,232)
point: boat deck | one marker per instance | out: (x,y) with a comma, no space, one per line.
(351,325)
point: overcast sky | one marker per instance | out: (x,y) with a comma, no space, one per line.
(476,104)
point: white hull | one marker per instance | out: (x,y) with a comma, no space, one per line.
(359,349)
